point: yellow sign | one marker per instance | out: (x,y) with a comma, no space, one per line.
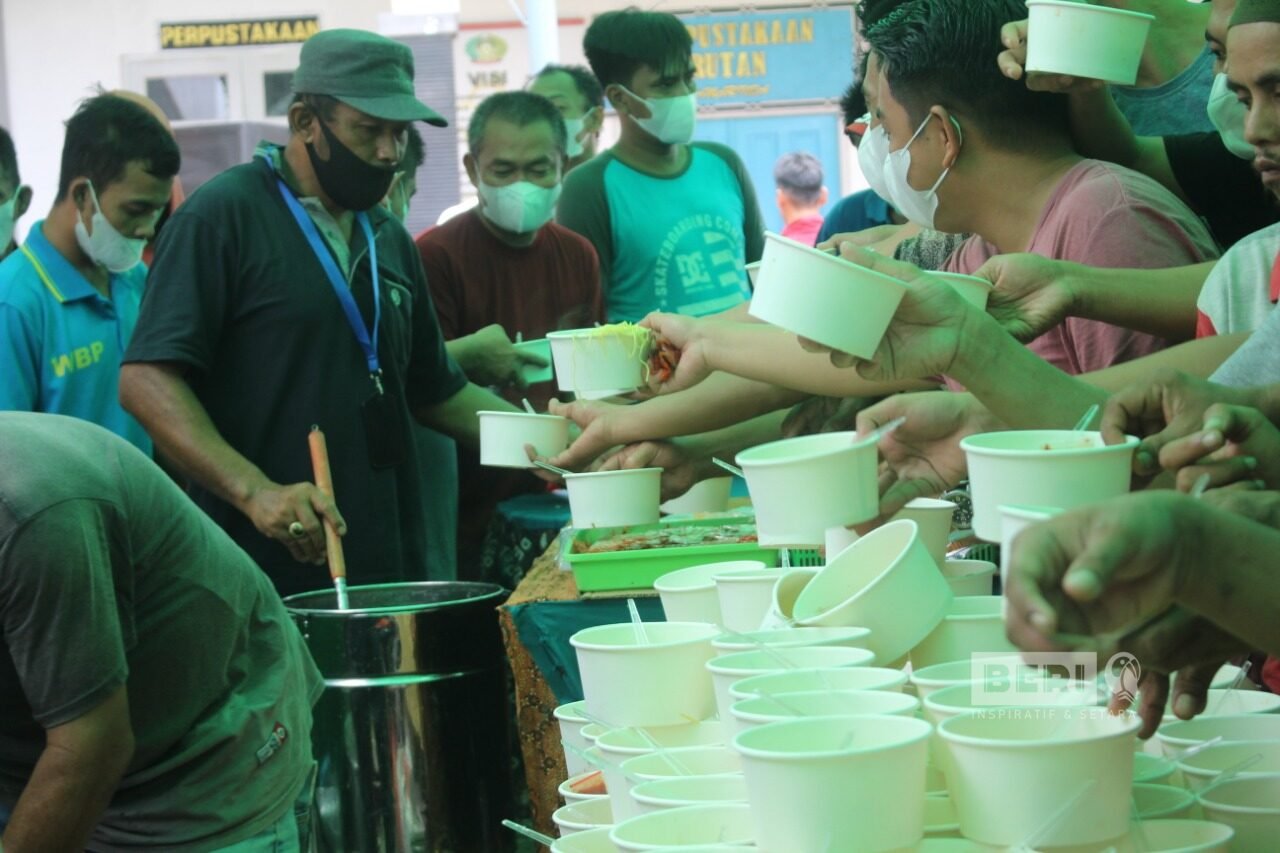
(238,33)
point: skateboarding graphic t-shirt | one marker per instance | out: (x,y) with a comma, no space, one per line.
(677,243)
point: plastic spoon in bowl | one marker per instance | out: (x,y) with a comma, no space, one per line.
(642,638)
(528,407)
(1054,819)
(547,466)
(732,469)
(1225,776)
(1235,683)
(1086,419)
(880,432)
(1199,748)
(546,840)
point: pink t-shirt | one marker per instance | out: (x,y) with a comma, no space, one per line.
(804,230)
(1103,215)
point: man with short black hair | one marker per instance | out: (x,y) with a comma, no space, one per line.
(578,96)
(69,296)
(283,295)
(801,195)
(15,198)
(674,223)
(504,270)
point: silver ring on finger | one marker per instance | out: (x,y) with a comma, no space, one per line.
(296,530)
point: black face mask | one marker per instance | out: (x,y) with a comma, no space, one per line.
(345,178)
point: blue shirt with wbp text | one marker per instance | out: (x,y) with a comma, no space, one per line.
(62,341)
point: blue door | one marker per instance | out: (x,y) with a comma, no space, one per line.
(761,140)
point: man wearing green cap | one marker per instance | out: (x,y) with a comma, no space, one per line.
(284,296)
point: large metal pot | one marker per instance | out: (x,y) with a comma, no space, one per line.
(411,733)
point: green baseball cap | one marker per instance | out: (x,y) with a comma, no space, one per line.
(364,70)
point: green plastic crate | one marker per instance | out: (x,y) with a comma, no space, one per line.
(638,569)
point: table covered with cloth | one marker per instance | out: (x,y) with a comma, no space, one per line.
(537,621)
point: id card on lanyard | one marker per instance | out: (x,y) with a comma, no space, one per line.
(383,426)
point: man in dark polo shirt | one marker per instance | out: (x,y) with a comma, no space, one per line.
(504,269)
(154,694)
(283,295)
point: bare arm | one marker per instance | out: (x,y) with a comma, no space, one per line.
(73,780)
(456,416)
(1200,357)
(158,395)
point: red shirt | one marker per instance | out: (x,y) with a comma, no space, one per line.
(804,230)
(477,280)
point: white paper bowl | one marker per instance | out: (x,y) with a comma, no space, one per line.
(503,436)
(969,577)
(824,298)
(685,761)
(1223,702)
(1249,805)
(703,496)
(571,796)
(1179,836)
(1156,802)
(886,581)
(932,678)
(663,683)
(804,680)
(785,592)
(940,820)
(753,273)
(614,498)
(531,373)
(1015,518)
(780,638)
(761,710)
(676,791)
(727,669)
(569,718)
(592,364)
(717,823)
(1011,772)
(958,699)
(590,841)
(1084,40)
(933,520)
(1202,769)
(689,595)
(580,817)
(836,783)
(802,486)
(971,288)
(1014,467)
(973,623)
(745,597)
(621,745)
(1175,737)
(1152,769)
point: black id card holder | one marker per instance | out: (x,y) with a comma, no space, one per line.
(384,430)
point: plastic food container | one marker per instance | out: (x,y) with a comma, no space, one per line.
(823,297)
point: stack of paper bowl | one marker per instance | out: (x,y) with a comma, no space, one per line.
(689,595)
(619,746)
(745,597)
(972,624)
(728,669)
(1250,806)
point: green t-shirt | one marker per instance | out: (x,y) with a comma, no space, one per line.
(677,243)
(109,575)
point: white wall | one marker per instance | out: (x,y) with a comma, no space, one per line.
(55,51)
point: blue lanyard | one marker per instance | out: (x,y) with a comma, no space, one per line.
(369,346)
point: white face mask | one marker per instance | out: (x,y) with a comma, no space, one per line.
(873,150)
(671,120)
(920,206)
(520,207)
(107,246)
(8,212)
(1228,115)
(575,127)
